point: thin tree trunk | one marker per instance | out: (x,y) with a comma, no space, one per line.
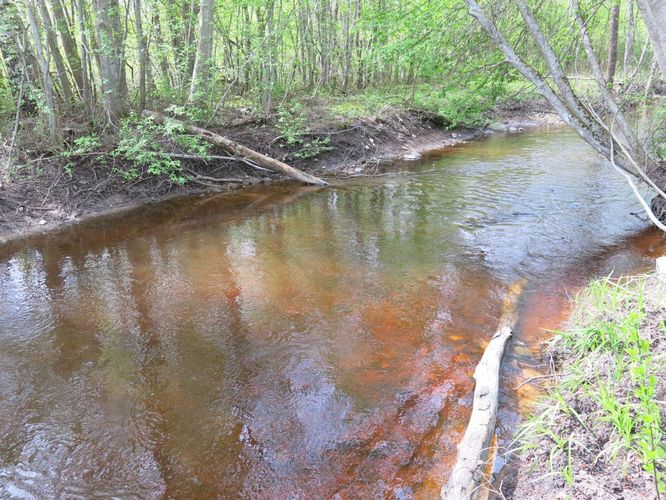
(588,135)
(11,29)
(29,56)
(202,63)
(629,39)
(85,59)
(159,40)
(639,63)
(602,85)
(654,15)
(612,45)
(142,54)
(598,133)
(46,75)
(68,43)
(559,77)
(269,55)
(191,13)
(52,43)
(346,61)
(648,83)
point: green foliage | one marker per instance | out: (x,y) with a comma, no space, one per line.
(455,106)
(7,104)
(174,130)
(82,145)
(609,361)
(292,124)
(188,113)
(314,148)
(459,108)
(139,144)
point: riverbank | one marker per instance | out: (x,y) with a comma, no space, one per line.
(335,329)
(599,431)
(45,190)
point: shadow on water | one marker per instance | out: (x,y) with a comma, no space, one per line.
(282,341)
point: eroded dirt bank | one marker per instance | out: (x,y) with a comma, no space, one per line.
(45,194)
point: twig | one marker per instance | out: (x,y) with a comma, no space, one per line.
(216,157)
(637,193)
(538,377)
(48,191)
(212,179)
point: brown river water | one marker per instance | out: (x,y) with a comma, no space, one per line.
(291,342)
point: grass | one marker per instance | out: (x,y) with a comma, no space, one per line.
(454,107)
(605,414)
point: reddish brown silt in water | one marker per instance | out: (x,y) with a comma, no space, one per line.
(285,342)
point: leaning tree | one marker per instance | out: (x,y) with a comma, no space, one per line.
(601,120)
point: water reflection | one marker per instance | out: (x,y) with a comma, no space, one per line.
(282,341)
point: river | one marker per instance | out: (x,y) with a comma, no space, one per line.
(292,342)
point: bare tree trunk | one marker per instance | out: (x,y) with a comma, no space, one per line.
(10,31)
(52,42)
(648,83)
(202,63)
(592,129)
(639,63)
(467,474)
(580,126)
(46,75)
(110,52)
(159,40)
(68,43)
(142,54)
(559,77)
(268,62)
(654,15)
(602,85)
(85,59)
(346,61)
(612,45)
(629,39)
(29,56)
(191,21)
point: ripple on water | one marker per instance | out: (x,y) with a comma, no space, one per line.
(281,342)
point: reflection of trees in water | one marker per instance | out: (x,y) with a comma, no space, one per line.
(320,341)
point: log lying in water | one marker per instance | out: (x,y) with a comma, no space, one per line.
(239,150)
(473,449)
(465,479)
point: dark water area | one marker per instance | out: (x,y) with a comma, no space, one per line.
(292,342)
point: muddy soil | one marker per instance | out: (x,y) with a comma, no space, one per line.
(44,194)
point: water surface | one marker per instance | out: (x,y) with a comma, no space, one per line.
(290,342)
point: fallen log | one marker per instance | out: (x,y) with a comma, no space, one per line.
(465,479)
(238,149)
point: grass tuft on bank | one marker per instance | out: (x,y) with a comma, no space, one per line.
(599,431)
